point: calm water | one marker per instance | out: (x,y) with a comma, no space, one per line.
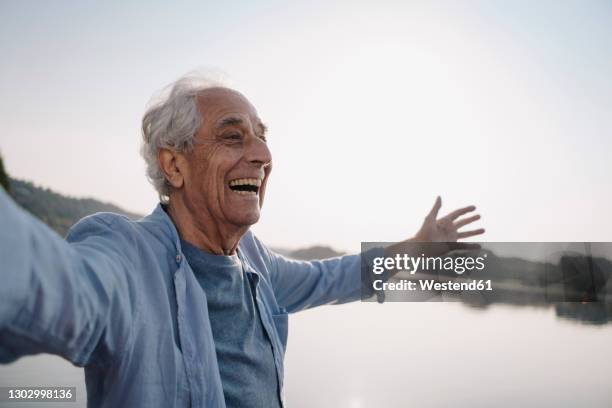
(418,354)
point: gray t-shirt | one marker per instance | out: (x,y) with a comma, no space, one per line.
(244,351)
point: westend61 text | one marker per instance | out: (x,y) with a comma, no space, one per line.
(431,284)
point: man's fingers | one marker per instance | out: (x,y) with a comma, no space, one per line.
(433,214)
(471,233)
(465,221)
(458,213)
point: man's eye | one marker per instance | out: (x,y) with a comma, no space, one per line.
(233,137)
(264,138)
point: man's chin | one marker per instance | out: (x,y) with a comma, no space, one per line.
(246,218)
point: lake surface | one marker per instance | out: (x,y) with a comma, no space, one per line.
(417,354)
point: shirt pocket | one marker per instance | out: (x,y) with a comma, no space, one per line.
(281,323)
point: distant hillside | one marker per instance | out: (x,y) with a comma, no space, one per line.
(58,211)
(308,254)
(315,252)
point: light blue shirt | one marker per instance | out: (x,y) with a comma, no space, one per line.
(120,299)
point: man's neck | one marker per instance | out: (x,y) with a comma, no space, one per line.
(202,231)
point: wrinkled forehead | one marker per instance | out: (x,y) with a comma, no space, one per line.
(216,103)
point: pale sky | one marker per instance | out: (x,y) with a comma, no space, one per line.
(374,108)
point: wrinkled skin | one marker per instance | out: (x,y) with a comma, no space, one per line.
(230,144)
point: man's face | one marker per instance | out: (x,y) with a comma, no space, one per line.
(230,163)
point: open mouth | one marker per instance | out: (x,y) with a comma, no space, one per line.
(245,186)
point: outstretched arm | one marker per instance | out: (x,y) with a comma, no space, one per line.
(300,285)
(55,297)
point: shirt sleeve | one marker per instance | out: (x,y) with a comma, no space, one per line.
(300,285)
(70,299)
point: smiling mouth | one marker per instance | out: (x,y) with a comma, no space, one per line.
(245,186)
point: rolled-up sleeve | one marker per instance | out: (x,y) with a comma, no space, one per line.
(67,298)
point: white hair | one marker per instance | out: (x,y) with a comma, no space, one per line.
(172,121)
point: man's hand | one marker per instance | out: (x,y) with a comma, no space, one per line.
(446,229)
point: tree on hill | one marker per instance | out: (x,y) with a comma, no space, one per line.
(4,181)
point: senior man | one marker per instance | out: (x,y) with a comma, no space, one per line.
(185,307)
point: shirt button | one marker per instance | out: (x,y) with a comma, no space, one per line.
(178,259)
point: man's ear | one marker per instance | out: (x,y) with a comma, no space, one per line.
(172,165)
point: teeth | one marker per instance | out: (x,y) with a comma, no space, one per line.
(246,181)
(245,192)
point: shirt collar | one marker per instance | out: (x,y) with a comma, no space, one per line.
(162,220)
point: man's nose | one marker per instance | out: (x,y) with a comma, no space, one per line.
(258,152)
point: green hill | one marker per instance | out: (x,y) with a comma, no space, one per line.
(58,211)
